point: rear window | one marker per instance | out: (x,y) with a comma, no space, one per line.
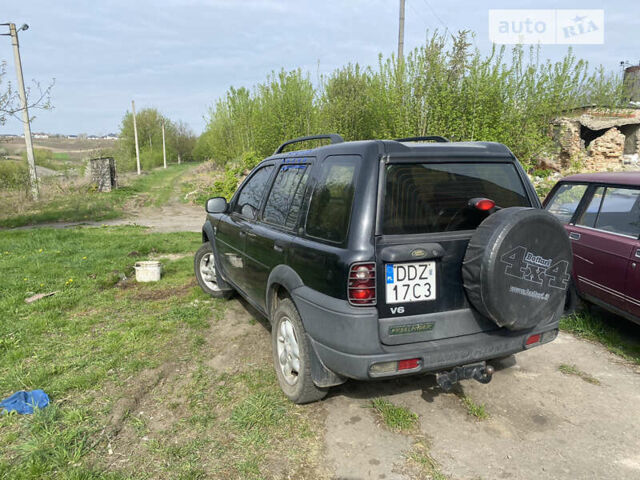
(434,197)
(330,207)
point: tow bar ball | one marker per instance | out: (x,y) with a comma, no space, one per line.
(479,371)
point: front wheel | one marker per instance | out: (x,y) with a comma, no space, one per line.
(204,265)
(291,355)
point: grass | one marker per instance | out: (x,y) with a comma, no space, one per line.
(397,418)
(107,352)
(616,334)
(575,371)
(478,411)
(84,204)
(419,456)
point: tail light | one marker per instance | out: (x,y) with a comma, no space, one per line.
(361,286)
(482,204)
(533,339)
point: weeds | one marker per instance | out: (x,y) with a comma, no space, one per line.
(395,417)
(473,409)
(427,466)
(594,327)
(573,370)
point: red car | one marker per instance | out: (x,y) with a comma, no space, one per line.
(601,212)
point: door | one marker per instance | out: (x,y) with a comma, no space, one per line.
(604,239)
(632,286)
(269,238)
(233,229)
(427,222)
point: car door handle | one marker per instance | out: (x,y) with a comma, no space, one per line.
(638,253)
(574,235)
(242,234)
(278,247)
(251,235)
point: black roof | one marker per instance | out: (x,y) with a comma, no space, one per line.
(394,148)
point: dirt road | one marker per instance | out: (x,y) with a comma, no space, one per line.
(542,423)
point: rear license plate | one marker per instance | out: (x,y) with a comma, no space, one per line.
(410,282)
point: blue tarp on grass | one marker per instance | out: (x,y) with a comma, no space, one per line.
(25,402)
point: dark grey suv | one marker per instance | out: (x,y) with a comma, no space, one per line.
(381,258)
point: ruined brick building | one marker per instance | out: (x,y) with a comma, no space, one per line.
(600,139)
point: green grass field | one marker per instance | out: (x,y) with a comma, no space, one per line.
(105,349)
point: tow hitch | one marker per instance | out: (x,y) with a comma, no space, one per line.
(480,371)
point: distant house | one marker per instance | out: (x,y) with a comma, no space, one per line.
(40,135)
(72,137)
(93,137)
(110,136)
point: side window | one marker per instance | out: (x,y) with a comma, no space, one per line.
(283,204)
(619,212)
(330,207)
(252,192)
(565,201)
(588,217)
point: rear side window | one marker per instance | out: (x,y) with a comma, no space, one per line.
(434,197)
(330,207)
(283,204)
(565,201)
(614,210)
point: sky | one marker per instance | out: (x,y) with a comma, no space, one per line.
(180,56)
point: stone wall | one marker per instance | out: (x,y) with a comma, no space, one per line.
(606,151)
(566,135)
(621,136)
(103,173)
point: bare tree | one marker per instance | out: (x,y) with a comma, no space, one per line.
(37,96)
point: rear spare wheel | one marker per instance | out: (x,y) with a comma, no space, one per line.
(517,267)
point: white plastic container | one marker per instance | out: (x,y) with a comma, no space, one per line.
(148,271)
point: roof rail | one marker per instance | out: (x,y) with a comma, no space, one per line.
(437,138)
(334,137)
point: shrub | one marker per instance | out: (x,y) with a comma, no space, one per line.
(14,175)
(444,87)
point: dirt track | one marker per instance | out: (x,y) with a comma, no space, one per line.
(542,423)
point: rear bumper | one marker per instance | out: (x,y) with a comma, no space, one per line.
(433,356)
(346,340)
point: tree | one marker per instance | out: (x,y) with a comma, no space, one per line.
(180,140)
(10,104)
(183,140)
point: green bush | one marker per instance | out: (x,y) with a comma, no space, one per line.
(444,87)
(14,175)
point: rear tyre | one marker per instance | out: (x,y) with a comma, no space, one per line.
(291,355)
(204,265)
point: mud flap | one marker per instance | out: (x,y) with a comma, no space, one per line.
(321,375)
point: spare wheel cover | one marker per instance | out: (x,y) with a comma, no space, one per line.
(517,267)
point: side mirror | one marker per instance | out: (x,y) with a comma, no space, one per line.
(216,205)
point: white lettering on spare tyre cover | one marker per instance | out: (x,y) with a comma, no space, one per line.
(525,265)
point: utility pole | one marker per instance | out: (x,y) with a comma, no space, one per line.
(33,174)
(164,150)
(135,134)
(401,33)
